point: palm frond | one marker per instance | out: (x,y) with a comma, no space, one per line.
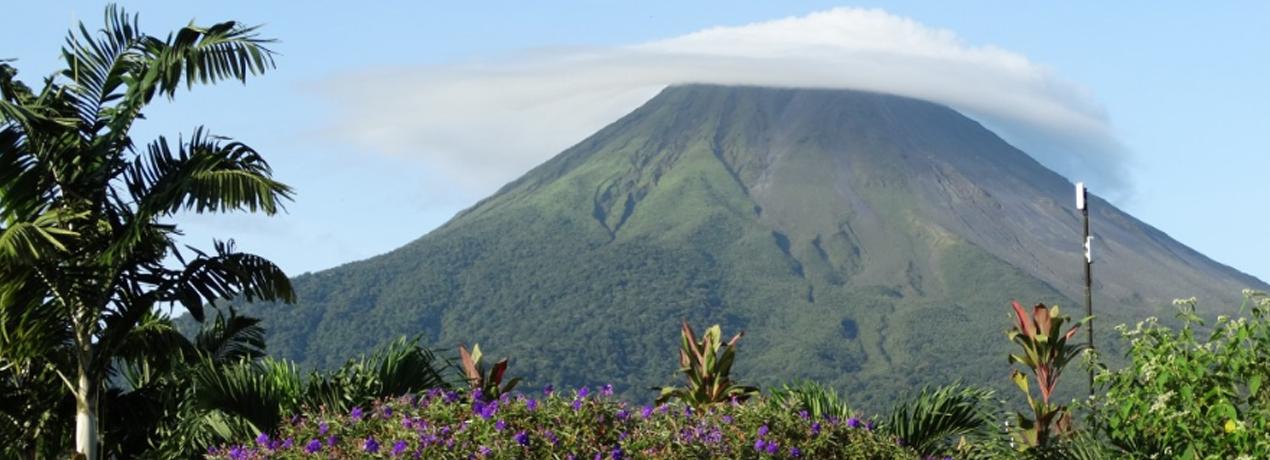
(226,275)
(31,331)
(204,175)
(226,50)
(230,337)
(36,239)
(260,392)
(152,331)
(930,421)
(400,367)
(98,65)
(818,400)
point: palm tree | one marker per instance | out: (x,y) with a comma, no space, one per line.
(87,247)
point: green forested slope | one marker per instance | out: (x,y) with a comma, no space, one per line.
(867,241)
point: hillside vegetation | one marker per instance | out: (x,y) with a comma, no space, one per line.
(866,237)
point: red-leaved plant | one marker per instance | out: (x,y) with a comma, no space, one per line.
(1046,351)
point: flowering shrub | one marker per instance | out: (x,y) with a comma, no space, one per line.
(1186,397)
(580,424)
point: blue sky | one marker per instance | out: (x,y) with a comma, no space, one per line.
(387,116)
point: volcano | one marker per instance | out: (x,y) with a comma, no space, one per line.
(868,241)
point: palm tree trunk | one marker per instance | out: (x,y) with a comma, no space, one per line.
(85,408)
(85,419)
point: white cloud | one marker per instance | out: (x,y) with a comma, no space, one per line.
(482,124)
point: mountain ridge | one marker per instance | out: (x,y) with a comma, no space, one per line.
(835,225)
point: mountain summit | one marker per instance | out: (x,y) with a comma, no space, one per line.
(864,240)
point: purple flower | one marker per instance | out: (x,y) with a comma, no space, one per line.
(369,445)
(551,436)
(288,444)
(323,428)
(478,395)
(237,453)
(871,425)
(398,447)
(583,392)
(485,451)
(794,452)
(577,404)
(387,411)
(500,425)
(815,428)
(803,415)
(647,412)
(622,414)
(531,404)
(332,440)
(762,431)
(773,447)
(548,390)
(313,446)
(616,453)
(715,436)
(521,438)
(606,390)
(356,413)
(727,419)
(760,445)
(853,422)
(406,423)
(485,410)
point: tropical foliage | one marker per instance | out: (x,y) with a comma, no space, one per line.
(86,240)
(937,420)
(1045,352)
(817,400)
(707,364)
(1196,392)
(486,383)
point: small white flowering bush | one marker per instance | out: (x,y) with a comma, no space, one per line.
(1187,396)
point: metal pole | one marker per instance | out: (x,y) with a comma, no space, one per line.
(1083,203)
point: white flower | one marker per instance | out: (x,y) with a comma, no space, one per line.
(1161,402)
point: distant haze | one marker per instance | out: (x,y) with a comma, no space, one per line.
(482,123)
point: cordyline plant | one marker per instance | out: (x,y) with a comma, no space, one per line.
(707,363)
(488,382)
(1046,352)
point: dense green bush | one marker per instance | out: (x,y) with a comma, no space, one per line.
(1185,396)
(577,424)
